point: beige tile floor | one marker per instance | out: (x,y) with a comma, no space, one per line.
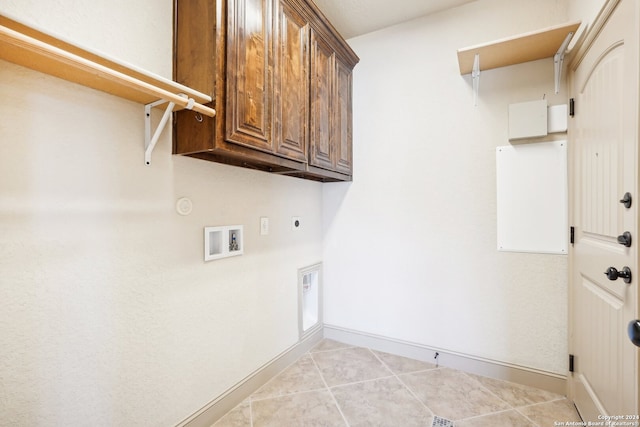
(338,385)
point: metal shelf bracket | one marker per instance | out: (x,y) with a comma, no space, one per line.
(558,59)
(475,76)
(151,141)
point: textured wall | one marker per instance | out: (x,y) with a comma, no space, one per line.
(585,10)
(108,314)
(411,243)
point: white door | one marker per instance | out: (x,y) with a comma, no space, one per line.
(604,160)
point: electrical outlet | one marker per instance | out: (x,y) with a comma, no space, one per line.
(264,226)
(296,223)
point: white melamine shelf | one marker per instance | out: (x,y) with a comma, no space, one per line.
(517,49)
(546,43)
(35,49)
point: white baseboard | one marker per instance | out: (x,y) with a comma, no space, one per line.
(544,380)
(224,403)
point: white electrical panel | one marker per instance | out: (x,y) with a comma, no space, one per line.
(528,119)
(223,242)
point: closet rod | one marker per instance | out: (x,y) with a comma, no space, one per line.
(61,56)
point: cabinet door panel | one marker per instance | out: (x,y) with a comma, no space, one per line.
(291,82)
(249,87)
(342,121)
(322,66)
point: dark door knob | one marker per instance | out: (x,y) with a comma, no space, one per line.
(612,273)
(634,332)
(625,239)
(626,200)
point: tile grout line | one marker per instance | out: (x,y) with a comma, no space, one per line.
(330,392)
(293,393)
(362,381)
(251,399)
(511,407)
(542,403)
(493,413)
(535,404)
(433,415)
(527,418)
(273,378)
(331,349)
(482,386)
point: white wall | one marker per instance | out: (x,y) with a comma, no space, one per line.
(410,245)
(585,10)
(108,314)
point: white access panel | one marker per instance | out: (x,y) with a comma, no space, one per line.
(532,197)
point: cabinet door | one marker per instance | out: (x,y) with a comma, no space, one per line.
(249,87)
(291,82)
(322,68)
(342,126)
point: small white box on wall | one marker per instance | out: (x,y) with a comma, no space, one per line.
(557,118)
(528,119)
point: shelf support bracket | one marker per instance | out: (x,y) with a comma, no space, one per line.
(151,141)
(558,59)
(475,77)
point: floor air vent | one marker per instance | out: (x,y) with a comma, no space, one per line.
(441,422)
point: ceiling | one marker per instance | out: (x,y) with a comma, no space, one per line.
(356,17)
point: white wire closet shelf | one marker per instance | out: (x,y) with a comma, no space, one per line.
(35,49)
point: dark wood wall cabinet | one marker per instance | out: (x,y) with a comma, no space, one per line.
(280,77)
